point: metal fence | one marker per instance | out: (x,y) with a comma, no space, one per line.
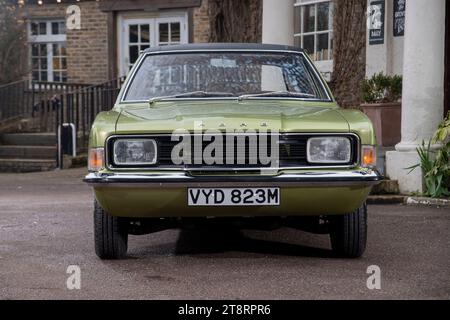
(33,100)
(49,104)
(81,106)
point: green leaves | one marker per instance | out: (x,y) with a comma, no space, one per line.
(436,164)
(382,88)
(443,131)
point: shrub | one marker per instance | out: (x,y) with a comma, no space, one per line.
(382,88)
(436,164)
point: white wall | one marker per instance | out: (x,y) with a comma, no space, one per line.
(387,57)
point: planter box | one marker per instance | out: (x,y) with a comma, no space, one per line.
(386,119)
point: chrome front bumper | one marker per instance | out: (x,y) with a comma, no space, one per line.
(346,178)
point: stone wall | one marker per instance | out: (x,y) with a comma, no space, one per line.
(87,48)
(201,23)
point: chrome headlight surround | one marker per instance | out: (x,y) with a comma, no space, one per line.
(329,150)
(129,152)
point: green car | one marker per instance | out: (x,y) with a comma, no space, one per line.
(246,135)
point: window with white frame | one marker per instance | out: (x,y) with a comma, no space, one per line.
(141,33)
(48,58)
(313,28)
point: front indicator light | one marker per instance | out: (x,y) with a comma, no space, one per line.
(96,159)
(369,156)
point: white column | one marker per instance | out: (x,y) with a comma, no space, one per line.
(423,88)
(278,22)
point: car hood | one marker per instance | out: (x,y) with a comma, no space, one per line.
(285,116)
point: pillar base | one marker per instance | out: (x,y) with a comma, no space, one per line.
(396,164)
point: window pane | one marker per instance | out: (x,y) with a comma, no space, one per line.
(64,63)
(145,47)
(298,41)
(55,27)
(43,75)
(323,16)
(308,45)
(134,33)
(43,50)
(56,51)
(308,18)
(62,47)
(34,28)
(56,76)
(56,64)
(175,32)
(64,76)
(62,27)
(145,33)
(42,28)
(35,50)
(163,32)
(134,53)
(322,47)
(297,19)
(44,63)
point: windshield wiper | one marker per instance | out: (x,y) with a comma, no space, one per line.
(201,94)
(277,94)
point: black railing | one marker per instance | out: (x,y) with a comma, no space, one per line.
(33,99)
(16,99)
(80,107)
(49,104)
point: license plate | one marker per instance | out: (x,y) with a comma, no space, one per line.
(233,196)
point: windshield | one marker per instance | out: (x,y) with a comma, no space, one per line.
(224,74)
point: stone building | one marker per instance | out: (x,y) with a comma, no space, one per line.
(106,36)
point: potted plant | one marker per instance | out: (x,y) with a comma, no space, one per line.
(382,104)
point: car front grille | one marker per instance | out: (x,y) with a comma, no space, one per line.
(291,153)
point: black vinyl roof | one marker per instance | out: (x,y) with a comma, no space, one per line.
(224,46)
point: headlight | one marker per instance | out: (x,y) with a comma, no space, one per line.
(329,150)
(134,151)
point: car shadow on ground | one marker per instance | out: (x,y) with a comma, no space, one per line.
(201,241)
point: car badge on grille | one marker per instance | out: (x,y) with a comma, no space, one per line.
(243,124)
(287,147)
(264,124)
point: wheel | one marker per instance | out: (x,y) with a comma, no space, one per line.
(110,234)
(348,233)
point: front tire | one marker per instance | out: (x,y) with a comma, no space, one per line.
(348,233)
(110,234)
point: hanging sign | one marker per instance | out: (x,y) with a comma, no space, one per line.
(375,22)
(399,18)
